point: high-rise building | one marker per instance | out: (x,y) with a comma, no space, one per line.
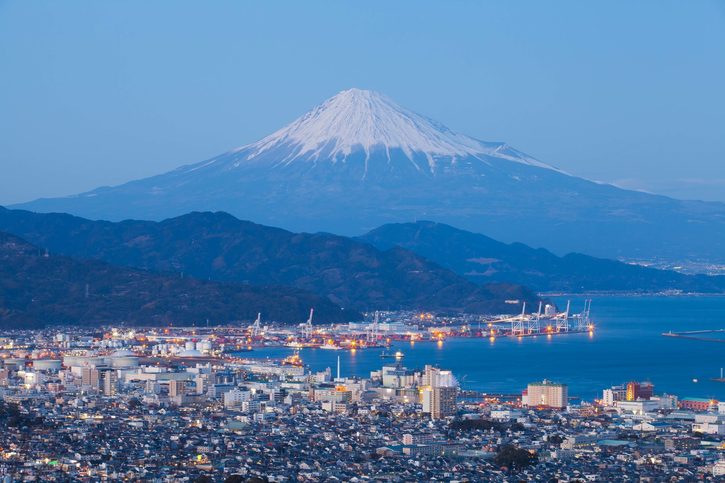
(152,387)
(177,388)
(639,390)
(547,394)
(107,381)
(434,377)
(439,393)
(443,402)
(89,377)
(233,399)
(613,394)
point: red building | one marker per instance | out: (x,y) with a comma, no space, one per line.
(697,403)
(639,390)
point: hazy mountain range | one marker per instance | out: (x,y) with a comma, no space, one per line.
(359,160)
(216,246)
(39,289)
(138,270)
(482,259)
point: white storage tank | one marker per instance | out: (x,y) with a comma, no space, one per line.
(46,364)
(16,362)
(123,359)
(83,361)
(203,346)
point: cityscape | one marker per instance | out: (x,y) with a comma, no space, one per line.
(385,242)
(219,414)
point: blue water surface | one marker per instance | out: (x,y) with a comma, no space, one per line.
(626,345)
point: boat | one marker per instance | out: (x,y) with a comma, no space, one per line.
(330,346)
(293,360)
(299,345)
(386,355)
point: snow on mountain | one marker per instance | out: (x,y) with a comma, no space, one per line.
(357,119)
(359,160)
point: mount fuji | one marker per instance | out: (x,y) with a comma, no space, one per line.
(359,160)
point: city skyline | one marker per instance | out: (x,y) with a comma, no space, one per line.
(275,242)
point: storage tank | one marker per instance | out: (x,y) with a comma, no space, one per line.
(189,353)
(46,364)
(123,358)
(203,346)
(16,363)
(83,361)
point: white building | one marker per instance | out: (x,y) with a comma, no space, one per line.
(397,377)
(439,392)
(506,414)
(233,399)
(709,428)
(547,394)
(613,394)
(638,408)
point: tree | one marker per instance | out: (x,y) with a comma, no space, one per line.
(514,458)
(473,424)
(556,439)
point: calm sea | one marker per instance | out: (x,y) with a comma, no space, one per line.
(626,345)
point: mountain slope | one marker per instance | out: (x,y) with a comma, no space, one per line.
(359,160)
(218,246)
(37,289)
(483,259)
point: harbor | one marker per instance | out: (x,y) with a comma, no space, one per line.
(626,343)
(381,329)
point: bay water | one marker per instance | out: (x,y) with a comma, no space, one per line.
(627,344)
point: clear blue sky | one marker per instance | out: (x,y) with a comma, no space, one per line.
(97,93)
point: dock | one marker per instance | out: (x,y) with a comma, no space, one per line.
(697,335)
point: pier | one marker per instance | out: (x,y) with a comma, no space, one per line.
(539,323)
(697,335)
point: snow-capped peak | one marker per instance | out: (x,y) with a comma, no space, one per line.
(361,119)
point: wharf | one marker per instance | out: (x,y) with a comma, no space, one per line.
(696,335)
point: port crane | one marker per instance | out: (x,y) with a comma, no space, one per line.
(307,326)
(562,320)
(582,319)
(257,326)
(530,324)
(373,329)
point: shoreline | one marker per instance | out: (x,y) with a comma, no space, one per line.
(631,294)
